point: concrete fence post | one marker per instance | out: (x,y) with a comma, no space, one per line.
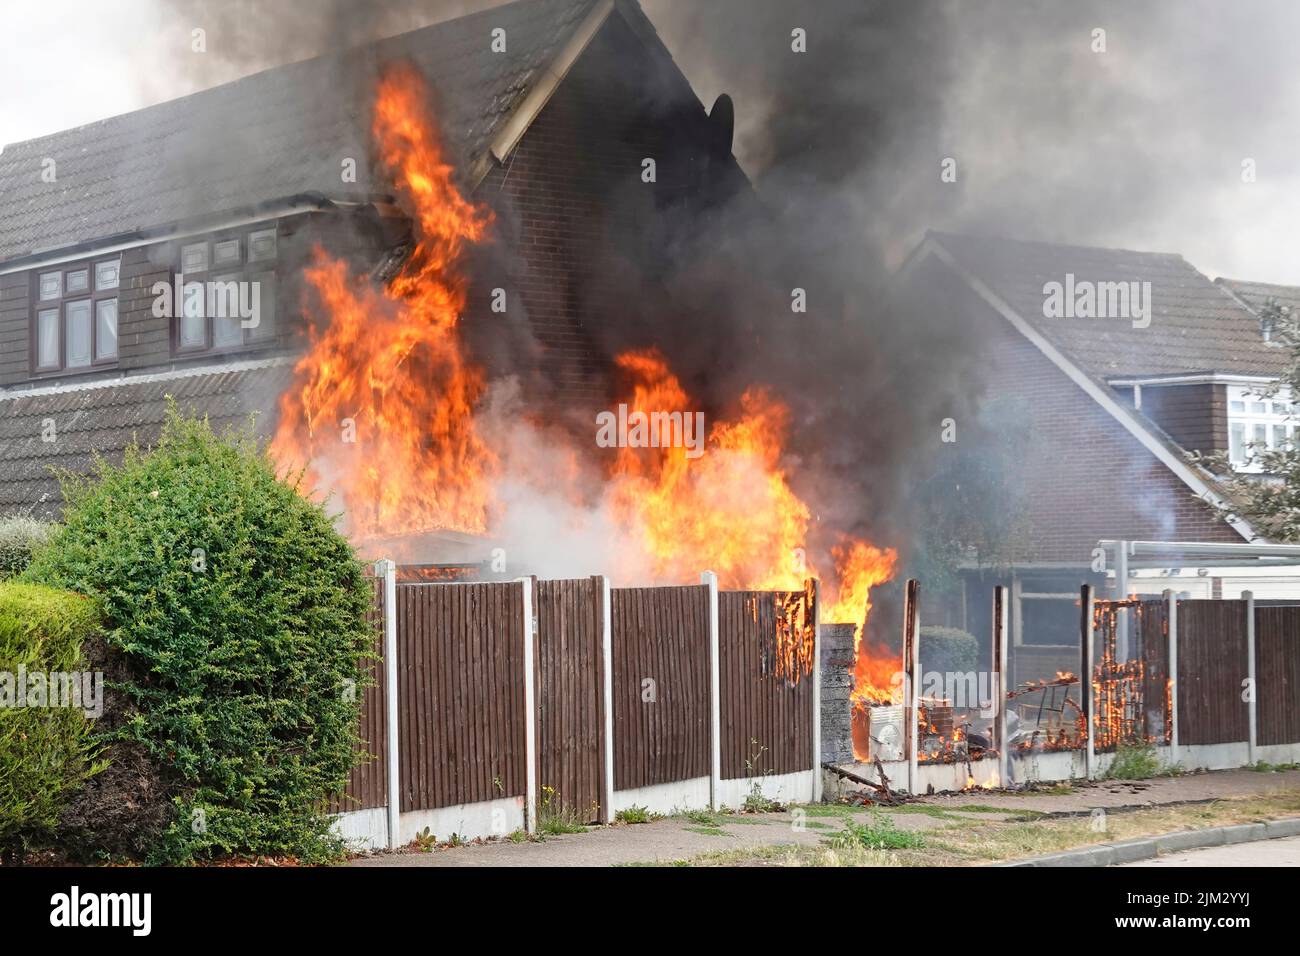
(387,570)
(530,709)
(815,590)
(1172,656)
(1252,700)
(607,691)
(1087,637)
(710,580)
(999,688)
(911,664)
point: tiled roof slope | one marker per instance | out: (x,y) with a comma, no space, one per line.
(104,417)
(1196,326)
(1256,294)
(273,135)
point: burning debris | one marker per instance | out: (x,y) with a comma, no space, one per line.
(1120,688)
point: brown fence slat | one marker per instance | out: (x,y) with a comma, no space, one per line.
(367,787)
(766,682)
(661,634)
(1277,674)
(569,690)
(460,665)
(1211,668)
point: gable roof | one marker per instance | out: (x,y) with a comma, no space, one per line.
(1254,295)
(1196,326)
(283,132)
(104,417)
(1011,300)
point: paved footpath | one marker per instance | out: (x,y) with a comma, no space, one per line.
(1284,852)
(677,838)
(1126,793)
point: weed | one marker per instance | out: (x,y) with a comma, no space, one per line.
(633,814)
(707,831)
(878,833)
(702,817)
(1135,762)
(555,817)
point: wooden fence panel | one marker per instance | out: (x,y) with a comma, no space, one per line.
(460,660)
(1211,668)
(1150,630)
(367,786)
(570,693)
(765,646)
(1277,674)
(661,730)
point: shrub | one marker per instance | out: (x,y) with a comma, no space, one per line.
(45,751)
(240,613)
(948,650)
(20,538)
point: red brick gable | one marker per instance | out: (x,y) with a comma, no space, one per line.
(581,228)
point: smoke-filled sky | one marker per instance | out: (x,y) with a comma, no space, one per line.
(1139,146)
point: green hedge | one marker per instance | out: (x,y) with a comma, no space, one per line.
(947,650)
(45,750)
(241,614)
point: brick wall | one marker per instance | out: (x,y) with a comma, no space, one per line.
(836,641)
(582,227)
(1195,416)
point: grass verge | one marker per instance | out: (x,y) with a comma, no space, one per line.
(967,842)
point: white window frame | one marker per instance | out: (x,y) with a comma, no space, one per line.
(1245,418)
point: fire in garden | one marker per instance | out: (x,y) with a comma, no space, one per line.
(385,412)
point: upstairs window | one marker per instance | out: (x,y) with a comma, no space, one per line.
(1258,422)
(229,295)
(74,321)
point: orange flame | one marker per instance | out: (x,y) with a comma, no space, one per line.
(731,509)
(382,402)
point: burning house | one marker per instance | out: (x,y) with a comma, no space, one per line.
(271,181)
(407,260)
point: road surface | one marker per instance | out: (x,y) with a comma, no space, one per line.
(1285,852)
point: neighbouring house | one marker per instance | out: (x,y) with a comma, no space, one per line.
(1113,382)
(240,181)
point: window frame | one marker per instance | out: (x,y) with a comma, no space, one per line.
(245,269)
(92,295)
(1278,412)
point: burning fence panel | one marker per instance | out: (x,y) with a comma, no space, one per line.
(765,646)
